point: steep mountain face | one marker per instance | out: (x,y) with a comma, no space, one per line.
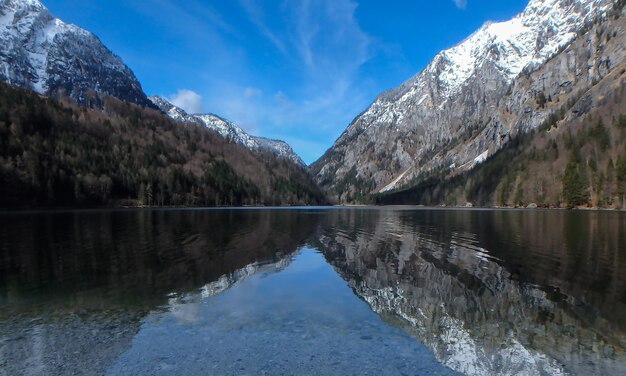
(470,100)
(228,130)
(44,54)
(577,157)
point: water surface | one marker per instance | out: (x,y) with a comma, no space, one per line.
(391,291)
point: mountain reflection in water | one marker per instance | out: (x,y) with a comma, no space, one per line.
(493,292)
(488,292)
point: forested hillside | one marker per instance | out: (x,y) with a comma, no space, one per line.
(56,153)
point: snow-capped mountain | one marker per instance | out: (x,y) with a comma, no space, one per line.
(51,57)
(451,114)
(524,42)
(228,130)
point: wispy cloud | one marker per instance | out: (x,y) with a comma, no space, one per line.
(190,14)
(307,29)
(303,83)
(461,4)
(188,100)
(251,92)
(257,17)
(318,33)
(327,47)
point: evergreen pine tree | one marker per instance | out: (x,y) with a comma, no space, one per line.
(574,183)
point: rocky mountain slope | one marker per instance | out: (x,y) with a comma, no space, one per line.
(228,130)
(474,98)
(576,157)
(44,54)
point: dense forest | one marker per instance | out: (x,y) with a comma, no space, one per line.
(57,154)
(572,160)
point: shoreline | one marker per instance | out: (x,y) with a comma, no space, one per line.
(294,207)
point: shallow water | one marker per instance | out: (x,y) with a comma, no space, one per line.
(389,291)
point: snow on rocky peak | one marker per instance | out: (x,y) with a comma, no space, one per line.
(228,130)
(526,41)
(170,110)
(51,57)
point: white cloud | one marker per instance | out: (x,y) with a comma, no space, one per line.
(251,92)
(304,36)
(188,100)
(461,4)
(281,98)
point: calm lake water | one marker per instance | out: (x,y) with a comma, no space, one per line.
(390,291)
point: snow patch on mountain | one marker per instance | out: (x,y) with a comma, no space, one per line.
(481,158)
(393,185)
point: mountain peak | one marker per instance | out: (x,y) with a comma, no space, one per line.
(530,38)
(52,57)
(527,40)
(24,4)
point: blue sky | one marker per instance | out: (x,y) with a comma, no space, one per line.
(296,70)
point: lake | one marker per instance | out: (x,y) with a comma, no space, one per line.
(324,291)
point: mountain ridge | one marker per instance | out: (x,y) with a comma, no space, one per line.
(228,130)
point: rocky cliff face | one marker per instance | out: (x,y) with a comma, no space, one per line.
(579,98)
(51,57)
(472,99)
(229,130)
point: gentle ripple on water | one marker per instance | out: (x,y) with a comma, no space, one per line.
(325,291)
